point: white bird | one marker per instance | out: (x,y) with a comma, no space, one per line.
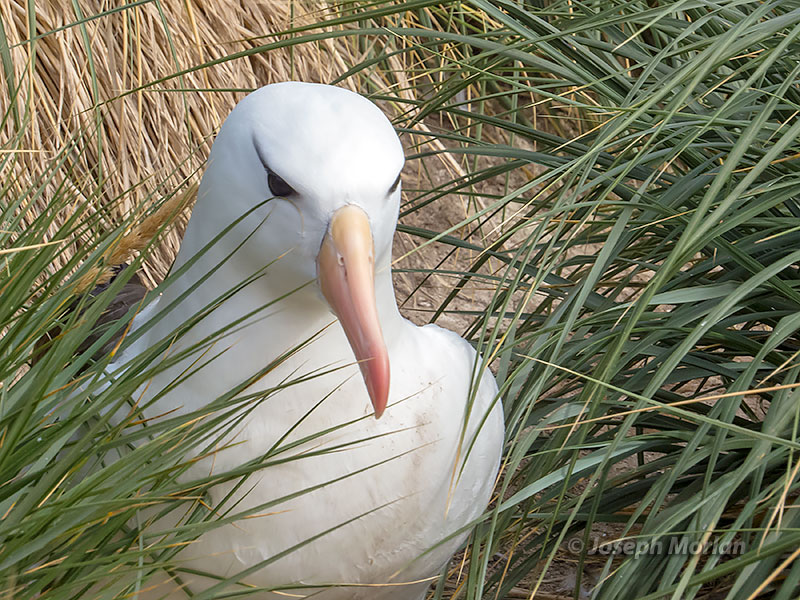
(318,170)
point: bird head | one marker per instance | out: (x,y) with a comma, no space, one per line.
(325,163)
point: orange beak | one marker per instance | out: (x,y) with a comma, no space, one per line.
(346,268)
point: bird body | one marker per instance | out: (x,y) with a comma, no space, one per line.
(346,498)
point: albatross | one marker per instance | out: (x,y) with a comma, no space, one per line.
(301,193)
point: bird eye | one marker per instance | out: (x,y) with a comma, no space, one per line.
(278,186)
(394,185)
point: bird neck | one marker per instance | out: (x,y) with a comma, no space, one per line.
(307,309)
(389,314)
(299,305)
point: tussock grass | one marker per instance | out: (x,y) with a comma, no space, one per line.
(87,75)
(637,254)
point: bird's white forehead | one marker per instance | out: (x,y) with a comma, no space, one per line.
(323,139)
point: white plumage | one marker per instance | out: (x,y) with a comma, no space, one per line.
(334,149)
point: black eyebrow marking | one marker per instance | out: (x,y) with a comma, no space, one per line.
(395,184)
(260,153)
(275,182)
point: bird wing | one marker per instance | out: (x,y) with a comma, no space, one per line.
(131,294)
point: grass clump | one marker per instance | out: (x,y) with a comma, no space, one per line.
(605,197)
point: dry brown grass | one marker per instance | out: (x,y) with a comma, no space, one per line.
(93,78)
(93,74)
(87,77)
